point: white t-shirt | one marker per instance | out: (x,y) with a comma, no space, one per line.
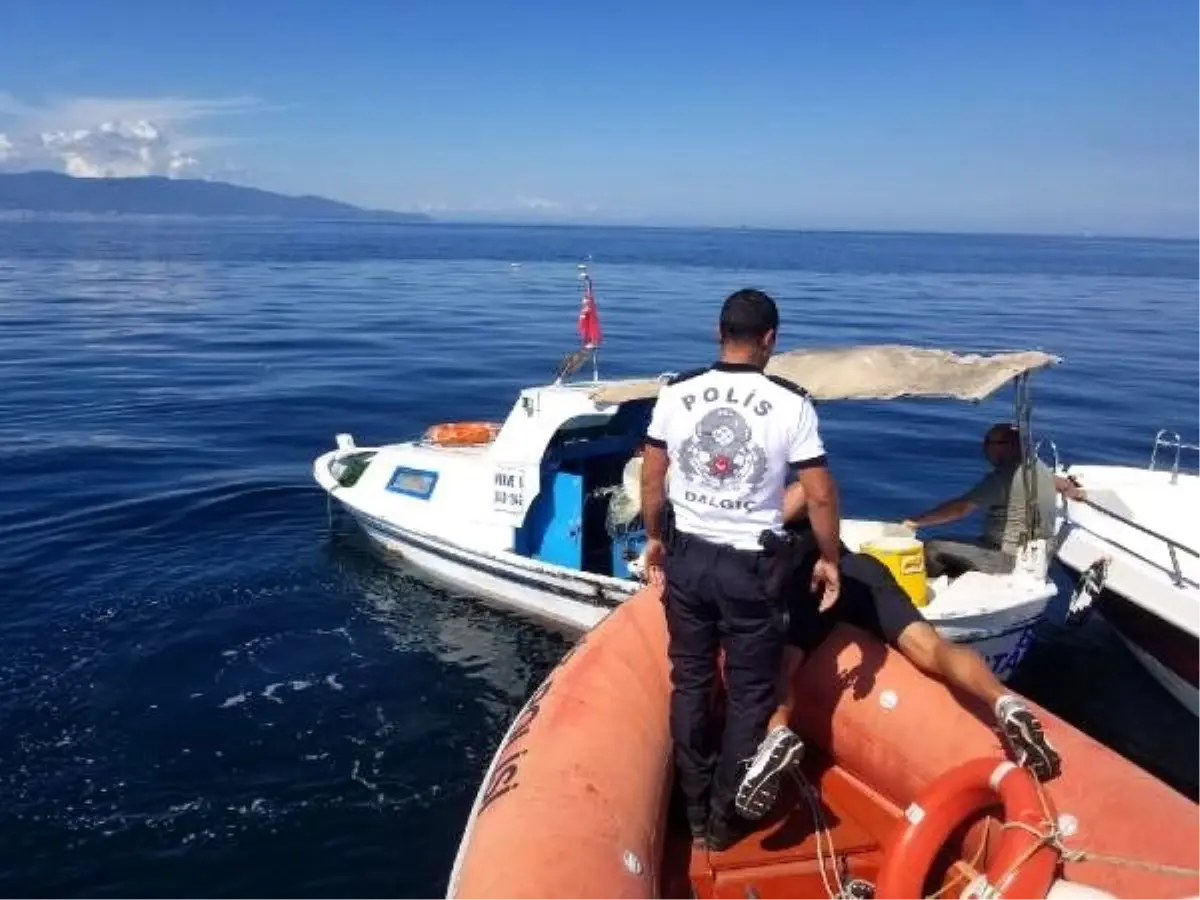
(733,434)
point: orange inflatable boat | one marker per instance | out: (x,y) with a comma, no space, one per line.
(905,793)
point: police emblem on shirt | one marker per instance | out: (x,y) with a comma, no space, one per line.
(721,454)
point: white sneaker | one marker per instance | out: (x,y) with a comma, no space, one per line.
(779,751)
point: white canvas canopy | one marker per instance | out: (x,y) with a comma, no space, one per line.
(875,372)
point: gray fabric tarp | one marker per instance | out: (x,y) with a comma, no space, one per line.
(879,372)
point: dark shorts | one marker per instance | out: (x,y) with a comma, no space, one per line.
(870,599)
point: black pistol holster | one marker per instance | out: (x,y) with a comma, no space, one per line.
(784,554)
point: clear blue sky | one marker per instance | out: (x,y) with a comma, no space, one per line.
(1069,115)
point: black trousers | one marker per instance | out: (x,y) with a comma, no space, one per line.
(716,598)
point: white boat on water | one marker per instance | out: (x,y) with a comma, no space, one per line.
(1134,544)
(533,514)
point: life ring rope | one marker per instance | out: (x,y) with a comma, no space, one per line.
(1051,833)
(1047,832)
(1054,836)
(952,799)
(972,866)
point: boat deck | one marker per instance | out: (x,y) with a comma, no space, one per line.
(1149,498)
(805,848)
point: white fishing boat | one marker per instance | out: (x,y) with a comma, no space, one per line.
(1133,544)
(540,513)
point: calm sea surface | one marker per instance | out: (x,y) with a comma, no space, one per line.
(205,691)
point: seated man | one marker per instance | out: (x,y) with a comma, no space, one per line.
(872,600)
(1002,494)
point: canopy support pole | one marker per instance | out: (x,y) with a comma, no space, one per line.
(1024,418)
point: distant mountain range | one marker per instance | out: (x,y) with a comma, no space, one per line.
(51,192)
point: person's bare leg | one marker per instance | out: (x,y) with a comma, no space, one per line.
(966,670)
(778,752)
(958,666)
(792,658)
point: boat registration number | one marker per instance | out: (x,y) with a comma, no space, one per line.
(508,489)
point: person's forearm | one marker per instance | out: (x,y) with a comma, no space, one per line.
(654,494)
(794,501)
(945,512)
(826,524)
(821,492)
(653,502)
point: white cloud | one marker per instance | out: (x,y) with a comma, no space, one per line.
(115,149)
(92,137)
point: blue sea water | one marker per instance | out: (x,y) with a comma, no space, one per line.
(205,690)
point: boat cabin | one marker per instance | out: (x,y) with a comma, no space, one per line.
(564,472)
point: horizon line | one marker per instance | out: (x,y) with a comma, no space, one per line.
(515,218)
(378,217)
(452,219)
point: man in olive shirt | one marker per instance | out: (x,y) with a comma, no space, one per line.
(1002,496)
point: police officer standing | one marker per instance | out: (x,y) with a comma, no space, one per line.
(721,446)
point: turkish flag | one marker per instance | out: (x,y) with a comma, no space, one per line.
(589,319)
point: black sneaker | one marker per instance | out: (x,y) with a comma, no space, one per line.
(1025,740)
(779,752)
(721,833)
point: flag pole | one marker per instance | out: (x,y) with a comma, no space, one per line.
(588,297)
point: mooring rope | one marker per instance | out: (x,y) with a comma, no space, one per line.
(1051,835)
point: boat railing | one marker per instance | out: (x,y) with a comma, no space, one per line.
(1053,453)
(1173,546)
(1171,441)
